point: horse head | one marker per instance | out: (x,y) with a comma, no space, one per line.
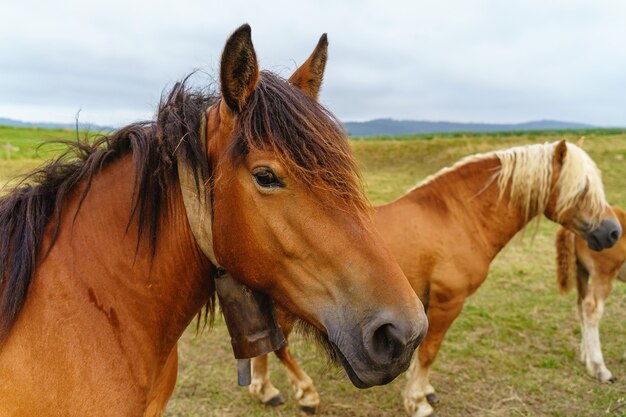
(290,218)
(577,199)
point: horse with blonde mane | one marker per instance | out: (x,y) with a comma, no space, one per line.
(101,271)
(446,231)
(594,274)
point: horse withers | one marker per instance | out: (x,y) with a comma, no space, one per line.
(101,272)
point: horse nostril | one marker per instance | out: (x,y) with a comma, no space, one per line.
(388,342)
(614,235)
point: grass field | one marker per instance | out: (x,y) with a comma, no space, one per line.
(512,352)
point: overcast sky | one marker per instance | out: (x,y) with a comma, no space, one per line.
(466,60)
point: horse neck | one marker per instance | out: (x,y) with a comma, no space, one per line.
(154,296)
(472,202)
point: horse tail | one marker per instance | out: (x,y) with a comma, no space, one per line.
(566,269)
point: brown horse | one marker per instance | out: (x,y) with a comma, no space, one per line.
(101,272)
(593,273)
(446,232)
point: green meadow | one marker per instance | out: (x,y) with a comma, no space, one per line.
(512,352)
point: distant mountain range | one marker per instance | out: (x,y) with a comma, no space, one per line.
(378,127)
(50,125)
(382,127)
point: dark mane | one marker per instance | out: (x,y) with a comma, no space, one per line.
(39,199)
(278,117)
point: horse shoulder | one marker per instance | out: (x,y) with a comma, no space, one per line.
(414,236)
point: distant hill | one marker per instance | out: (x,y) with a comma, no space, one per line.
(377,127)
(382,127)
(49,125)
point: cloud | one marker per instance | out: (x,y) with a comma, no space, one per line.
(473,60)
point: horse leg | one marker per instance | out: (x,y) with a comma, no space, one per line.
(261,387)
(419,395)
(592,307)
(582,287)
(304,390)
(621,275)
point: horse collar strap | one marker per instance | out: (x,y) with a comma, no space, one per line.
(197,201)
(249,314)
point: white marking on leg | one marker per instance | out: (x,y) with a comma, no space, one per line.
(594,361)
(417,388)
(621,275)
(583,344)
(304,390)
(261,387)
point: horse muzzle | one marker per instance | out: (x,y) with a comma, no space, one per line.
(376,352)
(604,236)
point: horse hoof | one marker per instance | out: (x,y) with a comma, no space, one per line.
(309,409)
(432,400)
(275,401)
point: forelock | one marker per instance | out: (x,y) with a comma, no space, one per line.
(306,138)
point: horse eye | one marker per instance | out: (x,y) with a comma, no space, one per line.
(267,179)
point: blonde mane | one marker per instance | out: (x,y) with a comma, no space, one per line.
(527,170)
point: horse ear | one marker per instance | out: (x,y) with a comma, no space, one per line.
(560,151)
(308,77)
(581,142)
(239,70)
